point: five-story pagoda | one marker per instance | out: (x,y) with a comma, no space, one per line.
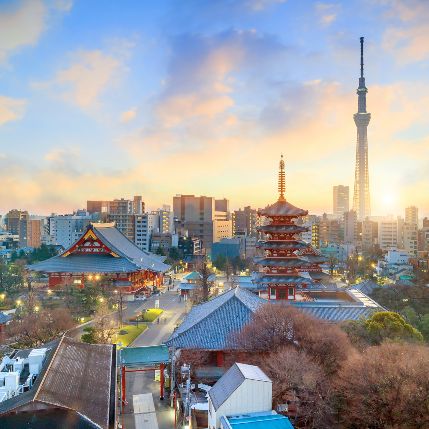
(290,266)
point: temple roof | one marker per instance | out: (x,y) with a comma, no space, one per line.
(293,229)
(283,278)
(85,264)
(282,208)
(283,262)
(209,326)
(282,244)
(126,257)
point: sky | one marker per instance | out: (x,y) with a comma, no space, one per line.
(108,99)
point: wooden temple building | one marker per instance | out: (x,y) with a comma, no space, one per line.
(290,267)
(103,255)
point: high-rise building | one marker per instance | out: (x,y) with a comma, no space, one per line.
(64,230)
(412,215)
(361,195)
(34,232)
(196,215)
(388,233)
(144,225)
(245,221)
(330,231)
(410,238)
(369,234)
(341,200)
(350,227)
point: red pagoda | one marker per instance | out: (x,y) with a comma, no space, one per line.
(290,266)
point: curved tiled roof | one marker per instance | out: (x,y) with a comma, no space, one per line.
(267,278)
(228,313)
(282,208)
(85,264)
(282,228)
(283,262)
(282,244)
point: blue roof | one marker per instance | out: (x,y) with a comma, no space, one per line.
(194,275)
(4,318)
(209,326)
(85,264)
(268,420)
(141,356)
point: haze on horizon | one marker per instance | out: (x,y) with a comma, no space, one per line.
(101,100)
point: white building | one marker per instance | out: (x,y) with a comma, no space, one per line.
(144,225)
(242,389)
(221,229)
(65,230)
(388,233)
(395,256)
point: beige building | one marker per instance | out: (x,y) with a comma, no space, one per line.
(412,215)
(388,233)
(197,216)
(340,200)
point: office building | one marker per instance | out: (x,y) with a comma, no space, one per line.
(245,221)
(340,200)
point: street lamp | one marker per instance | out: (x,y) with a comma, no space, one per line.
(36,308)
(18,302)
(2,296)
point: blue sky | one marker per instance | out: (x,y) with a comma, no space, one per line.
(103,99)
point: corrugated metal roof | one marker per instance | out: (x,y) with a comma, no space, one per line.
(209,325)
(79,378)
(75,376)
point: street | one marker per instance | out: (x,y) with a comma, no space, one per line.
(144,409)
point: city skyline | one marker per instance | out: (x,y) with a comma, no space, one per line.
(97,102)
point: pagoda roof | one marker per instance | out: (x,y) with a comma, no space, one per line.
(319,275)
(282,262)
(124,256)
(282,208)
(282,228)
(281,278)
(209,326)
(283,244)
(313,259)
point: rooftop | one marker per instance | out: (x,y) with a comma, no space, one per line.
(268,420)
(233,379)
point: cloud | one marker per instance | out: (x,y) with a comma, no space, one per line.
(407,31)
(88,75)
(63,5)
(11,109)
(259,5)
(21,25)
(327,13)
(128,115)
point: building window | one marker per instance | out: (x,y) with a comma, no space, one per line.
(291,293)
(272,293)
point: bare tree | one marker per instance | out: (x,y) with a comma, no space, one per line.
(386,386)
(36,328)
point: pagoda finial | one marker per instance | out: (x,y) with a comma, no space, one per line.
(282,182)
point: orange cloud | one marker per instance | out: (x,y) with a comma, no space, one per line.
(11,109)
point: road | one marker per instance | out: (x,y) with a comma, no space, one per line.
(145,410)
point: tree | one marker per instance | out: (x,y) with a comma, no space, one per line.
(220,262)
(388,325)
(274,326)
(387,386)
(202,293)
(36,328)
(104,327)
(160,251)
(301,383)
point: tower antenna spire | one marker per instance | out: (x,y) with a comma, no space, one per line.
(282,181)
(361,57)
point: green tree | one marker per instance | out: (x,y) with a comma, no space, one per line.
(389,325)
(220,262)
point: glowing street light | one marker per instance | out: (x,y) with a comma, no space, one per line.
(49,291)
(2,296)
(97,277)
(18,302)
(36,308)
(101,299)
